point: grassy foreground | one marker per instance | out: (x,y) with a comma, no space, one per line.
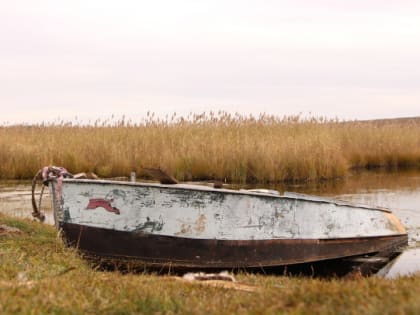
(221,146)
(40,276)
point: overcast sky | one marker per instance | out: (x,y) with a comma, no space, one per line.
(94,58)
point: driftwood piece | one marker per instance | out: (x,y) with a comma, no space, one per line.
(201,276)
(220,280)
(218,184)
(5,229)
(160,175)
(88,175)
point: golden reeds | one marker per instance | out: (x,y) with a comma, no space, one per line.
(233,148)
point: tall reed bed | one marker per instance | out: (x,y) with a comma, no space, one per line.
(232,148)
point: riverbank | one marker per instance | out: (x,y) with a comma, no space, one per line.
(230,148)
(39,276)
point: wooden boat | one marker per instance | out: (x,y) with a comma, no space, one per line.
(192,226)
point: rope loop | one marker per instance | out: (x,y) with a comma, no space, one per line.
(46,174)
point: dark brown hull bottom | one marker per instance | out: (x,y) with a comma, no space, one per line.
(184,253)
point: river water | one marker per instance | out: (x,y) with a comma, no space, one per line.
(398,191)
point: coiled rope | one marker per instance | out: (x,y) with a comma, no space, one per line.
(46,174)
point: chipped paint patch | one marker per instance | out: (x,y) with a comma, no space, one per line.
(150,226)
(116,193)
(185,229)
(102,203)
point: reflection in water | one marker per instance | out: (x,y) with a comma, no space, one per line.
(356,183)
(399,192)
(406,264)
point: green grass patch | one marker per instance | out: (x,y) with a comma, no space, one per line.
(38,275)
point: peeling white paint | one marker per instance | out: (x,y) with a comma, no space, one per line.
(206,213)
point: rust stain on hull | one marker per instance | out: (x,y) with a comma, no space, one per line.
(200,225)
(396,224)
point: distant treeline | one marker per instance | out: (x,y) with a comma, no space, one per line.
(231,148)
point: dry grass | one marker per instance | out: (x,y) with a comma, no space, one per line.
(40,276)
(220,146)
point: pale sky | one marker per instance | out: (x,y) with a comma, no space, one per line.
(93,59)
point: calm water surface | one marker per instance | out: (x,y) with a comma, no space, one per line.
(398,191)
(15,199)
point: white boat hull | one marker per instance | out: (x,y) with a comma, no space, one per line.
(198,226)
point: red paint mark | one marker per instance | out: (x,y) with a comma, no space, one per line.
(104,203)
